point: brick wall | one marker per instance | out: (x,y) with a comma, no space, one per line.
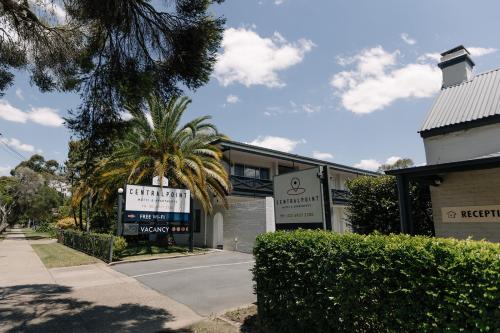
(471,188)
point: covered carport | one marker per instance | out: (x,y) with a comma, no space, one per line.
(473,182)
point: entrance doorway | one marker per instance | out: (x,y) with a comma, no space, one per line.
(218,231)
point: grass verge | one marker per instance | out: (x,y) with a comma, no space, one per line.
(31,234)
(246,317)
(144,250)
(212,326)
(58,255)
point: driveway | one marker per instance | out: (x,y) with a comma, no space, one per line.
(207,283)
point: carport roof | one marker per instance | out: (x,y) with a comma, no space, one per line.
(477,163)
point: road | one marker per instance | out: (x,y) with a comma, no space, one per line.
(207,283)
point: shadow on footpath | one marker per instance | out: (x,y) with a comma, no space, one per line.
(49,308)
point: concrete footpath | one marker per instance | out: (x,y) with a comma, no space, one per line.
(89,298)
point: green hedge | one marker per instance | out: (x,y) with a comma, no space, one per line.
(315,281)
(97,245)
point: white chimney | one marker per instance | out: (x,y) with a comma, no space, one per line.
(456,65)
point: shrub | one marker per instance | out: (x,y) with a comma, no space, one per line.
(119,245)
(66,223)
(315,281)
(97,245)
(374,206)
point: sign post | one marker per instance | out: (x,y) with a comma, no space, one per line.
(119,225)
(191,227)
(299,200)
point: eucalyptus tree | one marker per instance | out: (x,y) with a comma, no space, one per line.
(158,144)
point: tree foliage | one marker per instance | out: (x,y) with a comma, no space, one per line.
(112,52)
(374,203)
(161,146)
(374,206)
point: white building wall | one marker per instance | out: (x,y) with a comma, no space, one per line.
(463,145)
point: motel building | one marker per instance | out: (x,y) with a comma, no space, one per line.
(461,137)
(251,202)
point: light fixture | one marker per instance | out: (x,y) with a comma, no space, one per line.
(120,190)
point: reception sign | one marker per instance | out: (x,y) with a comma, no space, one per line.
(471,214)
(154,209)
(298,197)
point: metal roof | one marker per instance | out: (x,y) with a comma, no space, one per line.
(475,100)
(244,147)
(476,163)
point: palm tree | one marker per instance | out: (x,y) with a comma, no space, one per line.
(156,144)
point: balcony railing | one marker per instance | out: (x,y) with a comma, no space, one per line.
(251,186)
(340,197)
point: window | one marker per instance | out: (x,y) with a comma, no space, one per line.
(197,220)
(247,171)
(250,172)
(264,173)
(239,170)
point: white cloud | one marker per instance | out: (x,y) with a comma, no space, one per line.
(369,164)
(126,116)
(392,159)
(322,156)
(309,108)
(474,51)
(373,164)
(407,39)
(278,2)
(276,143)
(434,56)
(18,145)
(51,8)
(19,94)
(377,81)
(480,51)
(5,170)
(250,59)
(232,99)
(45,116)
(293,108)
(11,113)
(41,115)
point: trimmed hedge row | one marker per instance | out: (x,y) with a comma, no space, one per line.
(97,245)
(316,281)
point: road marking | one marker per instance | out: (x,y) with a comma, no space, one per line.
(194,267)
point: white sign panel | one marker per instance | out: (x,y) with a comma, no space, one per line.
(298,197)
(156,199)
(471,214)
(156,181)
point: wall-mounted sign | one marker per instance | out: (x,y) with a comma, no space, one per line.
(471,214)
(298,197)
(156,199)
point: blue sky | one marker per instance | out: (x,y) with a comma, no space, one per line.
(346,81)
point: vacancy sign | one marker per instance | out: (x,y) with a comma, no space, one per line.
(471,214)
(298,197)
(153,199)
